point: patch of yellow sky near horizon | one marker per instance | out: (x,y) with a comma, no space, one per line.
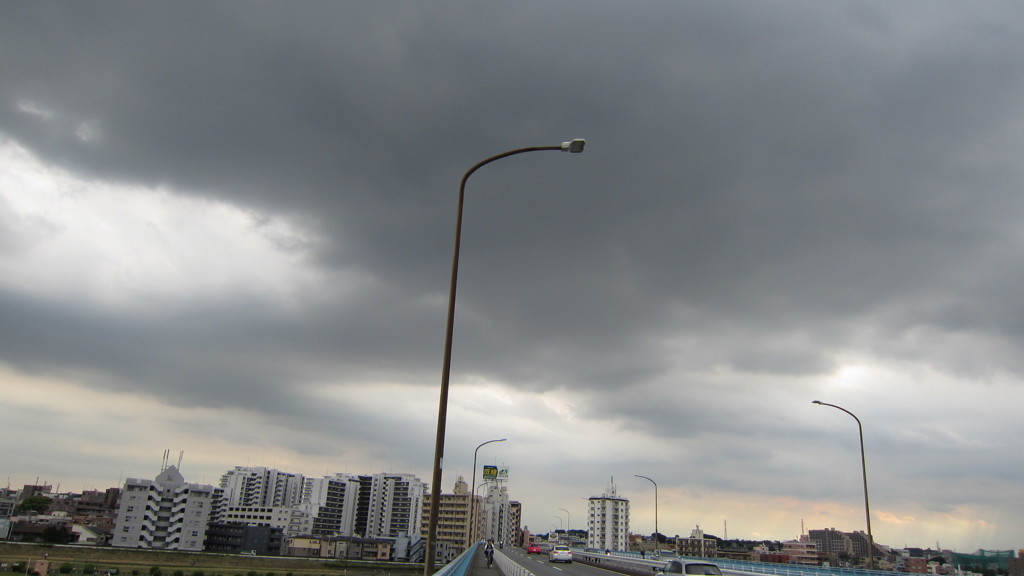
(751,516)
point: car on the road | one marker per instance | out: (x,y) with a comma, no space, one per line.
(695,567)
(534,549)
(560,554)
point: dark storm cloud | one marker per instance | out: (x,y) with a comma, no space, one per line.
(772,172)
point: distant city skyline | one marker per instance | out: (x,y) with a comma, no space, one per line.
(710,531)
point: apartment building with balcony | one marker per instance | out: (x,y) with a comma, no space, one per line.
(496,516)
(453,521)
(697,545)
(802,551)
(165,513)
(395,507)
(832,544)
(260,487)
(368,506)
(608,521)
(330,506)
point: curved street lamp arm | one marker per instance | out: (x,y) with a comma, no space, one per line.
(864,472)
(573,147)
(657,536)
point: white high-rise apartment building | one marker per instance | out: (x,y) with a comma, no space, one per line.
(166,513)
(396,506)
(497,514)
(608,521)
(258,496)
(379,505)
(329,506)
(259,487)
(376,506)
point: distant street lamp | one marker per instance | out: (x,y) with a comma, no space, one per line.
(573,147)
(568,520)
(559,518)
(657,536)
(864,470)
(472,494)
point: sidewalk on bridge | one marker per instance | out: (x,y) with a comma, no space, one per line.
(480,566)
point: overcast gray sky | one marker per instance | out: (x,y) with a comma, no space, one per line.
(226,228)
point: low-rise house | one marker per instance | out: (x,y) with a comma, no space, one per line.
(356,548)
(303,546)
(803,551)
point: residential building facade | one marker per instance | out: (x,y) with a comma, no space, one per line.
(801,551)
(259,487)
(608,521)
(395,507)
(453,517)
(329,505)
(495,513)
(832,543)
(697,546)
(166,513)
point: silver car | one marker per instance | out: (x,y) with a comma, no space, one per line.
(560,554)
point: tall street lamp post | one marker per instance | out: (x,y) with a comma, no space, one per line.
(568,520)
(472,494)
(864,471)
(657,536)
(574,147)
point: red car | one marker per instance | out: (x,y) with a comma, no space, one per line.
(533,549)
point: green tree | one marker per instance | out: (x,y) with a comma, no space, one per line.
(66,568)
(56,535)
(89,569)
(37,504)
(156,571)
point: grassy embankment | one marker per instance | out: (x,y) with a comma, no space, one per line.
(129,562)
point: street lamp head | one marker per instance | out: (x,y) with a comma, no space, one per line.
(815,401)
(574,146)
